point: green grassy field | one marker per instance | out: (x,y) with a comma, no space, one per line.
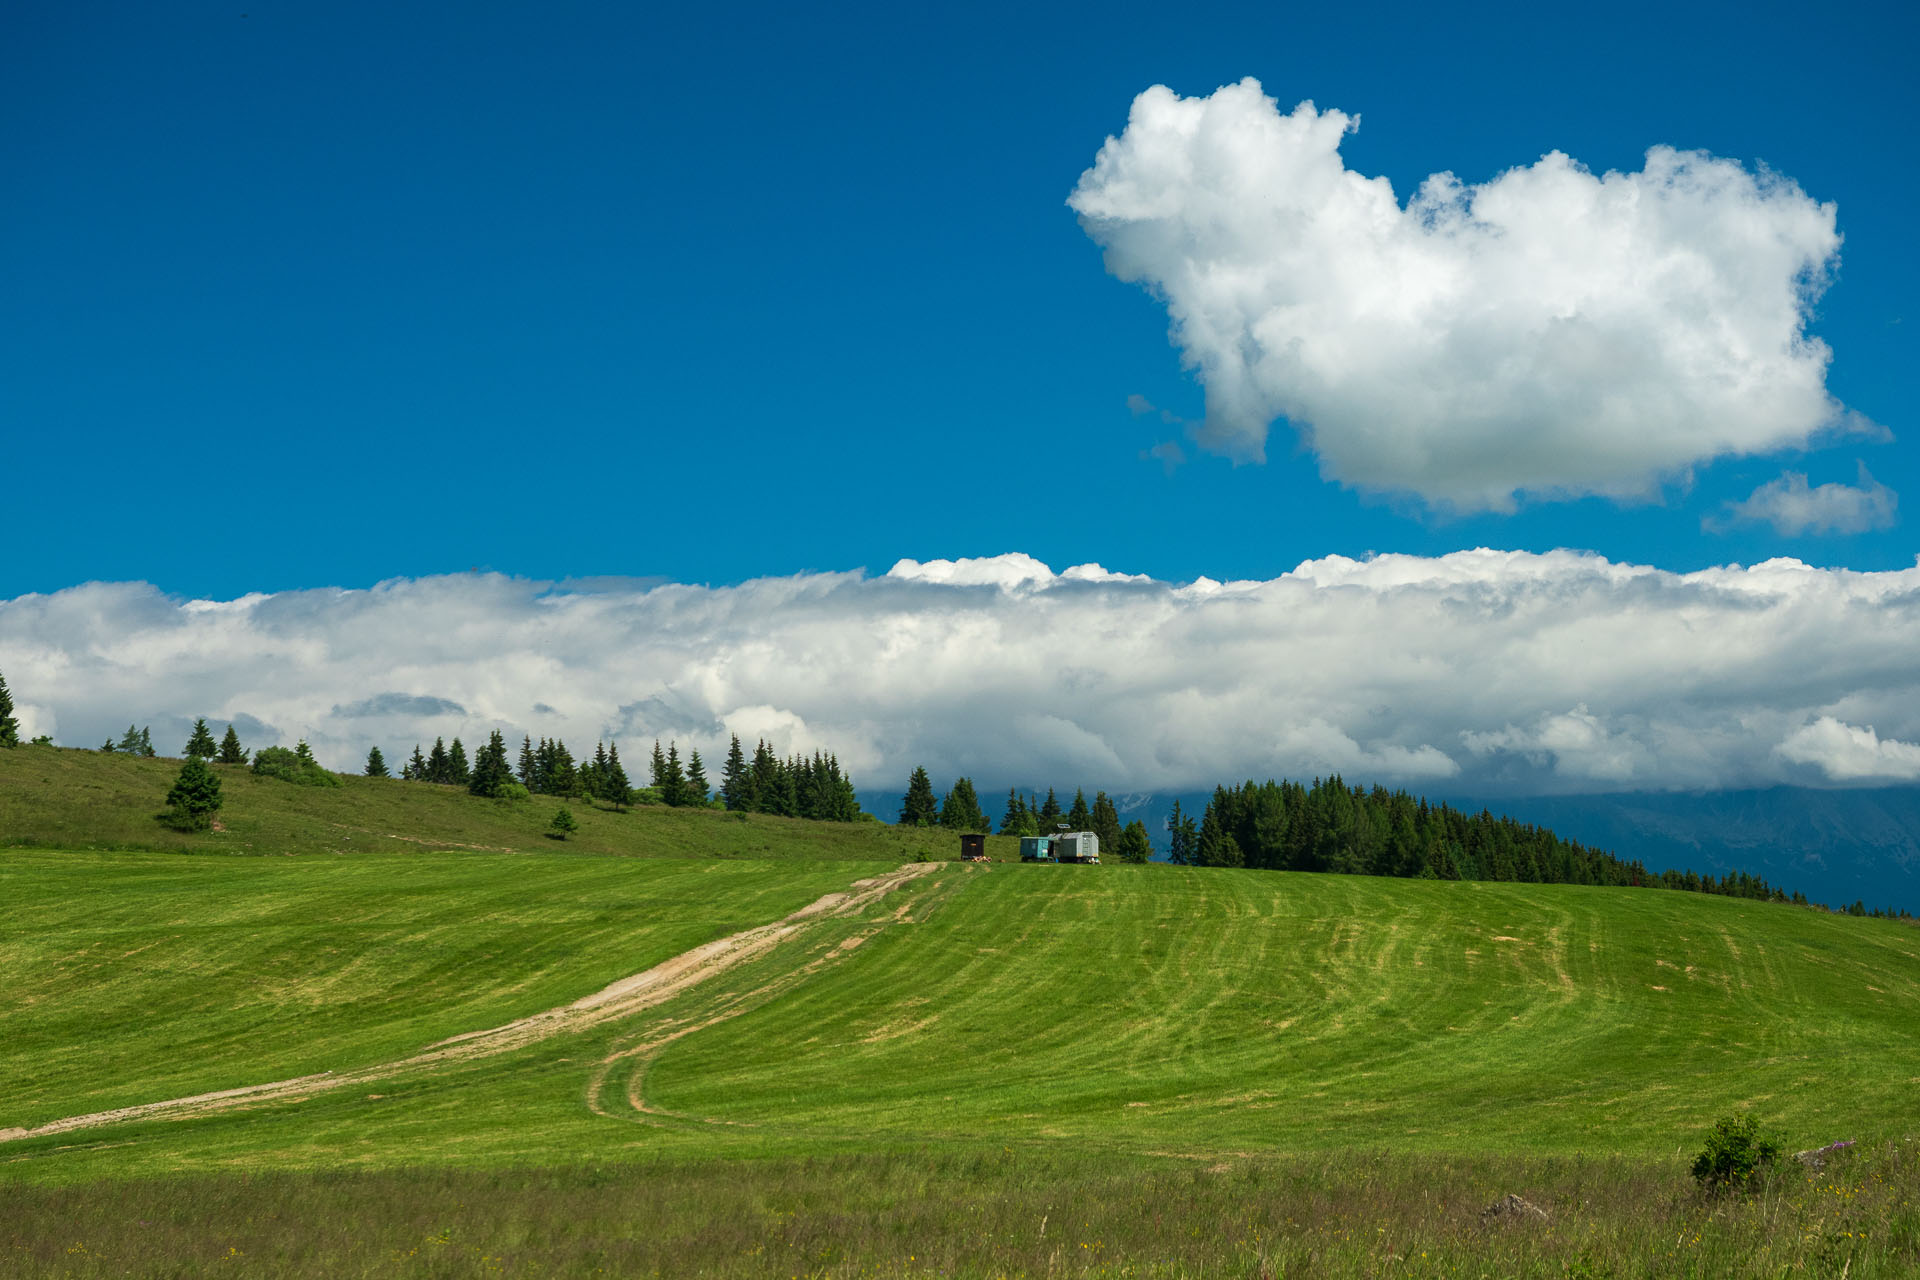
(1210,1072)
(67,799)
(135,977)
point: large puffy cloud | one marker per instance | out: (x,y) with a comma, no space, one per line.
(1550,331)
(1471,671)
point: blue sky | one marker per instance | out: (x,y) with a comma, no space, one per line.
(299,296)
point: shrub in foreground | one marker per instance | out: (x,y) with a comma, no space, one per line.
(1737,1153)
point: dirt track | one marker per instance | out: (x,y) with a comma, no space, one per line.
(617,1000)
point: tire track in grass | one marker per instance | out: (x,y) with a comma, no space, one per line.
(621,999)
(637,1058)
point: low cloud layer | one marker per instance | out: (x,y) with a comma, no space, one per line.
(1475,671)
(1792,508)
(1549,332)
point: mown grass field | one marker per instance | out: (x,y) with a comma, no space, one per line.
(133,977)
(1190,1009)
(1184,1071)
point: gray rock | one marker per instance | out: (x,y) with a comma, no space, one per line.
(1510,1210)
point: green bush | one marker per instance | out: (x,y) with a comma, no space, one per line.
(1737,1154)
(564,825)
(512,791)
(297,766)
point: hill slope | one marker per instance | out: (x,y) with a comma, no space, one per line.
(1138,1010)
(64,798)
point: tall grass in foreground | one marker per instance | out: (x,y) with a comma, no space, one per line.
(985,1213)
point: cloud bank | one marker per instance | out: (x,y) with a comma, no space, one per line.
(1549,332)
(1477,671)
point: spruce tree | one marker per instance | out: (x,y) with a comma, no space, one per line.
(961,812)
(200,741)
(231,752)
(766,791)
(673,782)
(1216,846)
(436,770)
(195,796)
(416,768)
(129,742)
(1179,850)
(1105,821)
(146,742)
(9,725)
(562,826)
(736,786)
(657,773)
(696,779)
(1010,820)
(491,774)
(562,778)
(1079,818)
(457,771)
(527,762)
(1049,814)
(593,772)
(782,791)
(615,787)
(1133,844)
(376,764)
(920,809)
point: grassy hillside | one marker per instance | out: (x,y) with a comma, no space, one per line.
(65,798)
(137,977)
(1202,1010)
(913,1087)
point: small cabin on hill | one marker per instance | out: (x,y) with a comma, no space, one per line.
(1068,846)
(973,846)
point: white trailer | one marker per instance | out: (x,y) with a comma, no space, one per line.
(1077,846)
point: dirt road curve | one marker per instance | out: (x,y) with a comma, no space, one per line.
(618,1000)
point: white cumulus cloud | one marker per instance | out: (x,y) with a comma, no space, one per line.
(1550,331)
(1471,671)
(1792,508)
(1851,753)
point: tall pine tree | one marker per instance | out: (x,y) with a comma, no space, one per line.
(920,809)
(1050,814)
(200,742)
(527,763)
(736,784)
(491,773)
(9,726)
(961,812)
(1105,822)
(1079,818)
(231,752)
(1016,810)
(696,779)
(615,788)
(673,783)
(376,764)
